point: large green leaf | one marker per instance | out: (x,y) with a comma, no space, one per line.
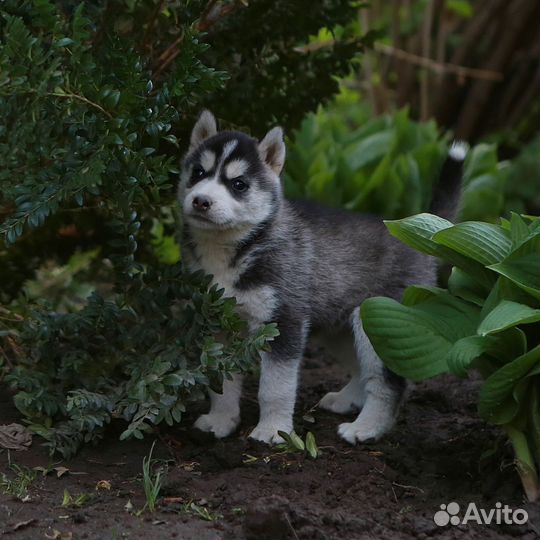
(497,403)
(522,266)
(505,315)
(419,233)
(500,349)
(482,242)
(416,231)
(414,340)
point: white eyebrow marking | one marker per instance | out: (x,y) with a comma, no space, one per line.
(208,158)
(228,148)
(235,168)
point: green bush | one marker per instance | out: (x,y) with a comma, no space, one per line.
(483,321)
(144,361)
(96,100)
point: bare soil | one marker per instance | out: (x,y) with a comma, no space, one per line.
(439,452)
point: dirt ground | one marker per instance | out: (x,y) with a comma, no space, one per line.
(439,452)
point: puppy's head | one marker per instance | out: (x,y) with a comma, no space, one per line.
(230,180)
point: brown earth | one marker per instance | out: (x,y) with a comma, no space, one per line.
(440,451)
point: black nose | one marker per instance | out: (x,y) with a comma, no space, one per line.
(202,203)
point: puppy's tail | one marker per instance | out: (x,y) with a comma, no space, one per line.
(447,192)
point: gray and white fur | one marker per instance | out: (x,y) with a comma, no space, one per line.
(300,265)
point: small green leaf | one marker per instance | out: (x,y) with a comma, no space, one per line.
(505,315)
(286,437)
(462,285)
(311,445)
(297,442)
(496,402)
(522,266)
(465,351)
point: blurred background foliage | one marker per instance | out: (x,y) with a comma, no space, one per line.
(96,103)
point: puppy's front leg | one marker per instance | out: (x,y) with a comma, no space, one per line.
(278,382)
(224,415)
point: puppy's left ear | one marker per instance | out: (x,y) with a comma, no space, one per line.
(204,128)
(272,149)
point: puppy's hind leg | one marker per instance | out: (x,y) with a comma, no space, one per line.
(351,397)
(224,415)
(383,392)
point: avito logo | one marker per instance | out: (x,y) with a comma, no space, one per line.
(450,514)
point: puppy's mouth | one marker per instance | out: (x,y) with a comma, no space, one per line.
(207,222)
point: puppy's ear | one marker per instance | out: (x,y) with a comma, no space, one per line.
(272,149)
(204,129)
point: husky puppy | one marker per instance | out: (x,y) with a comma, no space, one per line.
(300,265)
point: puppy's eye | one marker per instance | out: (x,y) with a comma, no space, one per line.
(197,173)
(239,185)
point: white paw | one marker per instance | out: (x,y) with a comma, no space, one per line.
(337,403)
(221,425)
(363,430)
(267,432)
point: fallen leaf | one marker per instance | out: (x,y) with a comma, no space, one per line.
(60,471)
(158,522)
(128,506)
(103,484)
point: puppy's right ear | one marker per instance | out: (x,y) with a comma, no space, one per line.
(204,128)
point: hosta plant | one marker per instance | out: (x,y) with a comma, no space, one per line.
(487,319)
(344,156)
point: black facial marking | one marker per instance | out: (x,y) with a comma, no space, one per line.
(238,184)
(197,174)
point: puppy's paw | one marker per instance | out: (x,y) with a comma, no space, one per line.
(221,425)
(363,430)
(267,432)
(338,403)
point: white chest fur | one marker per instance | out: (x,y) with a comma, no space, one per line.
(255,304)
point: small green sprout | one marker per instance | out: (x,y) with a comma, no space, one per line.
(151,482)
(294,443)
(74,501)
